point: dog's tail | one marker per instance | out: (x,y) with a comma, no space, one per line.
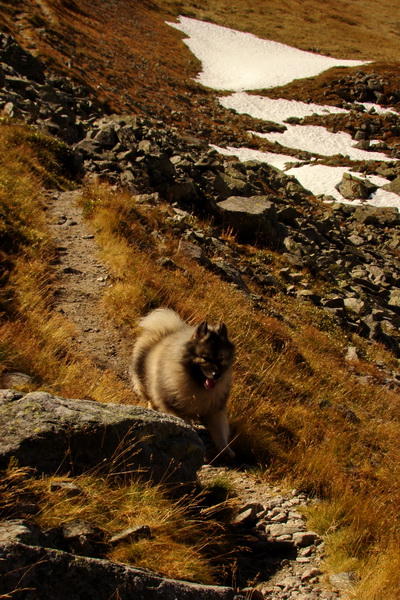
(161,322)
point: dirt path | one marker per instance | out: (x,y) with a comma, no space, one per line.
(80,281)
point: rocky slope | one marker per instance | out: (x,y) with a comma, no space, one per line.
(343,259)
(354,249)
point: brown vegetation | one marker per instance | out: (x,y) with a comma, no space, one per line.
(133,61)
(298,408)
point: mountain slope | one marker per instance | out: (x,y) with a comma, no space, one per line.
(124,51)
(317,419)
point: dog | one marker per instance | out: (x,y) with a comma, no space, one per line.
(185,371)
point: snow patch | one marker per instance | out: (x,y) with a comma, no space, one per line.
(232,60)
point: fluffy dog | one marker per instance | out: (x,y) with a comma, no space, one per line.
(185,371)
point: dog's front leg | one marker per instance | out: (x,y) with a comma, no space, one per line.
(218,426)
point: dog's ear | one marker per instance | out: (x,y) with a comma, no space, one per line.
(223,331)
(201,330)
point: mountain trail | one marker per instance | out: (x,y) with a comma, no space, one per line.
(80,277)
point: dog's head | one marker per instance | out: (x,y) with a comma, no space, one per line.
(212,353)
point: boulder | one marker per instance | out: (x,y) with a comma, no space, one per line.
(225,186)
(379,217)
(52,434)
(33,572)
(106,136)
(182,192)
(353,188)
(160,170)
(393,186)
(253,218)
(22,61)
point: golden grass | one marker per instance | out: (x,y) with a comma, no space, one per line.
(34,339)
(297,407)
(38,341)
(180,539)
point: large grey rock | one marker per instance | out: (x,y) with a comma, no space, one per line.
(393,186)
(254,219)
(29,573)
(352,187)
(53,434)
(22,61)
(380,217)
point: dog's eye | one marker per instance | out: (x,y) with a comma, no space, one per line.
(205,359)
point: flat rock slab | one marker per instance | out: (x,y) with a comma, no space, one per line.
(254,218)
(55,435)
(29,572)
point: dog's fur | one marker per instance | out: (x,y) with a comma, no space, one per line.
(185,371)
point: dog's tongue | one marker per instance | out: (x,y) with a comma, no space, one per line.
(210,383)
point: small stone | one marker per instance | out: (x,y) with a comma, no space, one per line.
(248,514)
(20,531)
(82,537)
(69,487)
(342,581)
(310,574)
(283,529)
(281,517)
(132,534)
(167,263)
(351,354)
(303,560)
(305,538)
(15,380)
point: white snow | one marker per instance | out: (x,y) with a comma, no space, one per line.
(276,110)
(322,179)
(232,60)
(235,61)
(316,139)
(380,110)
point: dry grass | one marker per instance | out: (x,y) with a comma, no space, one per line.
(181,541)
(295,398)
(340,29)
(37,341)
(297,406)
(34,339)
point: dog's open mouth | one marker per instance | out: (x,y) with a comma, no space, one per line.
(210,383)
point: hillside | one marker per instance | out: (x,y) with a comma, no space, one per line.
(124,52)
(112,203)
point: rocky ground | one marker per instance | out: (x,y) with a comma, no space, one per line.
(273,548)
(352,248)
(353,251)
